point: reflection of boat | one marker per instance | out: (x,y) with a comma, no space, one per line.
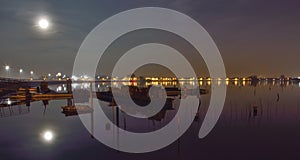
(4,93)
(13,109)
(171,91)
(39,97)
(139,100)
(142,97)
(161,115)
(75,110)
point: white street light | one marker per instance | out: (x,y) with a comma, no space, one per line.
(21,72)
(31,72)
(7,68)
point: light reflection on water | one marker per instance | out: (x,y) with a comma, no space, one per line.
(48,136)
(103,86)
(263,115)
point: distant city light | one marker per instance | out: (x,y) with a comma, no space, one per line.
(21,71)
(74,78)
(31,72)
(49,75)
(58,74)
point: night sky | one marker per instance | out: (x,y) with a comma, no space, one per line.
(254,36)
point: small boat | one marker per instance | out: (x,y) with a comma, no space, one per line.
(75,110)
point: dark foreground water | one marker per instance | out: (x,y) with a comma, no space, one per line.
(259,122)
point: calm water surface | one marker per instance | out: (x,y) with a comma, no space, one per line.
(259,122)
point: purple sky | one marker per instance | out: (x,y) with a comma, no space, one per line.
(254,36)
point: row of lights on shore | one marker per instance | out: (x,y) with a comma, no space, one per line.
(85,77)
(21,71)
(8,68)
(60,76)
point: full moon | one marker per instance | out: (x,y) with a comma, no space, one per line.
(48,136)
(43,23)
